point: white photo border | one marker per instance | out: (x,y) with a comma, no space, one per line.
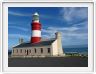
(1,36)
(94,56)
(47,0)
(90,6)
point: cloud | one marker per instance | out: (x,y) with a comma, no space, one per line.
(72,14)
(83,24)
(71,31)
(12,36)
(70,35)
(19,28)
(18,14)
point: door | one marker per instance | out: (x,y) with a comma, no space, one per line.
(27,52)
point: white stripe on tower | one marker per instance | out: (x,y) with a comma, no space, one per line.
(36,21)
(36,33)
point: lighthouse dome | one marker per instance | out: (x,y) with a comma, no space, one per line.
(36,17)
(36,14)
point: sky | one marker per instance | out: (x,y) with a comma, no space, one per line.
(72,22)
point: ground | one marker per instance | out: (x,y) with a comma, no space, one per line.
(49,62)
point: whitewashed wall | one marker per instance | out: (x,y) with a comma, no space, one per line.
(38,51)
(54,48)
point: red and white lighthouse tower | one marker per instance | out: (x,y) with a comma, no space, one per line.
(36,29)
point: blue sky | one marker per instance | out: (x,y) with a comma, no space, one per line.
(72,22)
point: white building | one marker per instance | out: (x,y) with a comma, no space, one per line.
(52,47)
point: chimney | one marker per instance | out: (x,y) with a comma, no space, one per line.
(59,43)
(21,40)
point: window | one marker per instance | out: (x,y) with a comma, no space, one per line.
(41,50)
(48,50)
(25,51)
(29,51)
(17,50)
(20,50)
(35,50)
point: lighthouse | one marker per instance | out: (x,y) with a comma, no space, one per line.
(36,29)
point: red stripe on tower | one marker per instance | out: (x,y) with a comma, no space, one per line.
(36,29)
